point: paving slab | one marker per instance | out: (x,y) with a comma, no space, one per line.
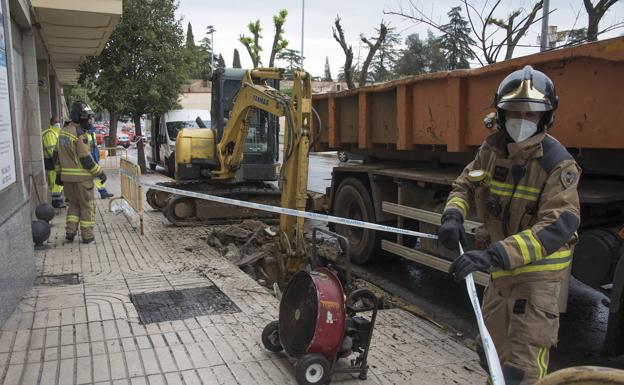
(90,331)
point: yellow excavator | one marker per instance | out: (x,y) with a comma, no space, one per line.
(221,160)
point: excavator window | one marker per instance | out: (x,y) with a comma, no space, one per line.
(174,127)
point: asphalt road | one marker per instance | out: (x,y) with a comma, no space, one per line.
(582,328)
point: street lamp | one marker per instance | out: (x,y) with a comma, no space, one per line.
(211,31)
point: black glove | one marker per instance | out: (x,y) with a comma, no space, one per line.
(452,230)
(58,181)
(472,261)
(102,177)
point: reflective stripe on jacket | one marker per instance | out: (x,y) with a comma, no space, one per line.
(528,203)
(75,162)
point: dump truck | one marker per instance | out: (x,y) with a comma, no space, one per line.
(416,134)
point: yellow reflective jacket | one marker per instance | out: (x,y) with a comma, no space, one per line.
(50,137)
(75,163)
(528,202)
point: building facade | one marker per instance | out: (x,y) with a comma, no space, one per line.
(42,42)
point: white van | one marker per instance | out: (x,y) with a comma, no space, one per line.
(161,134)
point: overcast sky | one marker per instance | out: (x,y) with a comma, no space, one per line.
(230,19)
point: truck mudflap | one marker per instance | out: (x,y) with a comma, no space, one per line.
(613,344)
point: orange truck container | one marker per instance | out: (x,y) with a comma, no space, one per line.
(416,134)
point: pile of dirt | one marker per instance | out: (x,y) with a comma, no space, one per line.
(245,243)
(254,246)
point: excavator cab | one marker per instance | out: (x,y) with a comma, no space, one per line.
(261,149)
(195,148)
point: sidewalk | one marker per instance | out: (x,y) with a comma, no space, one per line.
(87,330)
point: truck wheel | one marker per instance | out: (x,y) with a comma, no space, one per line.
(354,202)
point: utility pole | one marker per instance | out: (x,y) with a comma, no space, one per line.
(544,38)
(302,24)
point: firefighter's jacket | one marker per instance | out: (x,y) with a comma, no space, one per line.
(75,162)
(531,226)
(50,137)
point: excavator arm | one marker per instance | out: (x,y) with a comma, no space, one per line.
(255,95)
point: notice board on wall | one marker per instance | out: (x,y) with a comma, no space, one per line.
(7,154)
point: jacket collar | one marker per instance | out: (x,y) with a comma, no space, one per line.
(525,150)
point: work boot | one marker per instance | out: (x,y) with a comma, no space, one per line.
(69,237)
(58,204)
(105,194)
(88,240)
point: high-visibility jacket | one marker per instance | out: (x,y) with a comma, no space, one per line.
(75,162)
(95,151)
(50,137)
(528,202)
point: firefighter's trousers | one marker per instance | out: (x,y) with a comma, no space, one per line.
(81,209)
(56,190)
(523,320)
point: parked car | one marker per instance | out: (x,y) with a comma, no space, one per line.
(100,135)
(123,140)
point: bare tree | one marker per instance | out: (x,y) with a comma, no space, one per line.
(372,50)
(594,14)
(515,32)
(487,42)
(348,50)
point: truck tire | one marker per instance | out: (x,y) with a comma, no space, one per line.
(353,201)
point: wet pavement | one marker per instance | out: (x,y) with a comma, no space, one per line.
(163,307)
(582,328)
(581,332)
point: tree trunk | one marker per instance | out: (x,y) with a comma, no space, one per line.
(138,136)
(111,140)
(372,50)
(592,25)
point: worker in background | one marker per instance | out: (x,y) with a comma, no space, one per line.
(522,185)
(76,169)
(50,138)
(95,153)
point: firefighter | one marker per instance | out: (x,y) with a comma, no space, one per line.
(50,138)
(75,170)
(523,187)
(95,153)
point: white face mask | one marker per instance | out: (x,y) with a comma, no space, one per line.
(57,125)
(520,129)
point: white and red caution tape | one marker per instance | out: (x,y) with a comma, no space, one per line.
(287,211)
(496,373)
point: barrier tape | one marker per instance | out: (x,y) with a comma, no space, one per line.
(287,211)
(496,373)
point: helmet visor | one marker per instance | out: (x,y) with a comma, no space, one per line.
(525,97)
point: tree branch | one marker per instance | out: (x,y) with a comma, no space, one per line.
(339,36)
(372,49)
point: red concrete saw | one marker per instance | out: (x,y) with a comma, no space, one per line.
(318,324)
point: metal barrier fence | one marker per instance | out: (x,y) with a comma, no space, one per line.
(131,189)
(110,157)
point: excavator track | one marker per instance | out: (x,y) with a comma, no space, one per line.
(181,210)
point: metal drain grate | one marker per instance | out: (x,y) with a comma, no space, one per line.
(174,305)
(58,280)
